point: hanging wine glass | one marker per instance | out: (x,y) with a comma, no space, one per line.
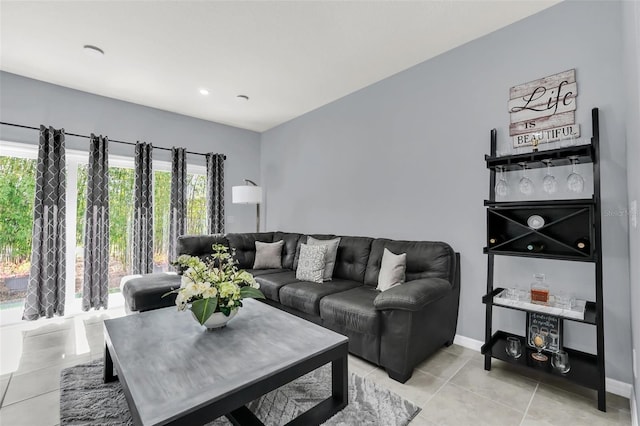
(502,186)
(549,183)
(575,182)
(526,184)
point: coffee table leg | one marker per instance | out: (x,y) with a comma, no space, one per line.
(108,366)
(340,380)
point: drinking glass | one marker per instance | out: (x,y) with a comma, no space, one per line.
(560,361)
(549,183)
(502,187)
(564,300)
(540,341)
(526,185)
(575,182)
(514,347)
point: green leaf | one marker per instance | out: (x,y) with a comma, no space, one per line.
(171,292)
(204,308)
(250,292)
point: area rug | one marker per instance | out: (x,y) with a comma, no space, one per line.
(86,400)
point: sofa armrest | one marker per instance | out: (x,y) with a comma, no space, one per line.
(413,295)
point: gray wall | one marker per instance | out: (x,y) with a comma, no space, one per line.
(631,32)
(404,158)
(32,102)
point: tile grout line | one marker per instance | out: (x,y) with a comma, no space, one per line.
(526,411)
(483,396)
(31,397)
(444,384)
(5,390)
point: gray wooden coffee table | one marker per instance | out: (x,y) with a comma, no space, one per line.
(174,372)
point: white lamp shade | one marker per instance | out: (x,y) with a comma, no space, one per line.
(246,194)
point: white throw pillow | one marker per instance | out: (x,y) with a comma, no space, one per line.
(330,258)
(311,263)
(268,255)
(392,270)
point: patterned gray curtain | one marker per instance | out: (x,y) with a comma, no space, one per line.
(46,290)
(142,243)
(95,288)
(178,206)
(215,193)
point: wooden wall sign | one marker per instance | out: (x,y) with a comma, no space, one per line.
(544,109)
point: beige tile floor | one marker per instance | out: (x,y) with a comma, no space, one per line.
(451,387)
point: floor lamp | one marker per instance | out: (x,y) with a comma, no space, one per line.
(250,193)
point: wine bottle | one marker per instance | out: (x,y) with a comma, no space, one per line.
(582,244)
(535,247)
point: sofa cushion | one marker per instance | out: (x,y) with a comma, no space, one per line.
(305,296)
(311,263)
(145,293)
(330,257)
(268,255)
(392,270)
(198,245)
(260,272)
(245,246)
(270,284)
(425,259)
(303,240)
(289,249)
(352,309)
(353,255)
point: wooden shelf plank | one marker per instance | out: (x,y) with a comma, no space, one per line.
(584,366)
(589,312)
(539,255)
(534,160)
(541,203)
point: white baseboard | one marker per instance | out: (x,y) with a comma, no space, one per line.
(616,387)
(468,342)
(634,409)
(619,388)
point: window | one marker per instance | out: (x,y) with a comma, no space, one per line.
(17,188)
(121,180)
(196,215)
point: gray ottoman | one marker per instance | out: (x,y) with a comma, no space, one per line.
(144,292)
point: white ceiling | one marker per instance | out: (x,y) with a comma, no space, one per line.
(288,57)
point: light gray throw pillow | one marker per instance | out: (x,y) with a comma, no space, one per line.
(330,258)
(311,263)
(392,270)
(268,255)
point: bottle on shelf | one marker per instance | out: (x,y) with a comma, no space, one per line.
(539,290)
(535,247)
(582,244)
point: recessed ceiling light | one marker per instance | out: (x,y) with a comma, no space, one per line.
(242,98)
(204,92)
(94,51)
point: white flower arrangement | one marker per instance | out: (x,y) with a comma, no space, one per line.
(213,286)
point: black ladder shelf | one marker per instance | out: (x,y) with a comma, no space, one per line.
(568,220)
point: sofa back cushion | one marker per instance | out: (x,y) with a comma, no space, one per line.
(353,255)
(289,248)
(303,240)
(425,259)
(199,245)
(245,246)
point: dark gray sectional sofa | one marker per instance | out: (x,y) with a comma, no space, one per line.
(396,329)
